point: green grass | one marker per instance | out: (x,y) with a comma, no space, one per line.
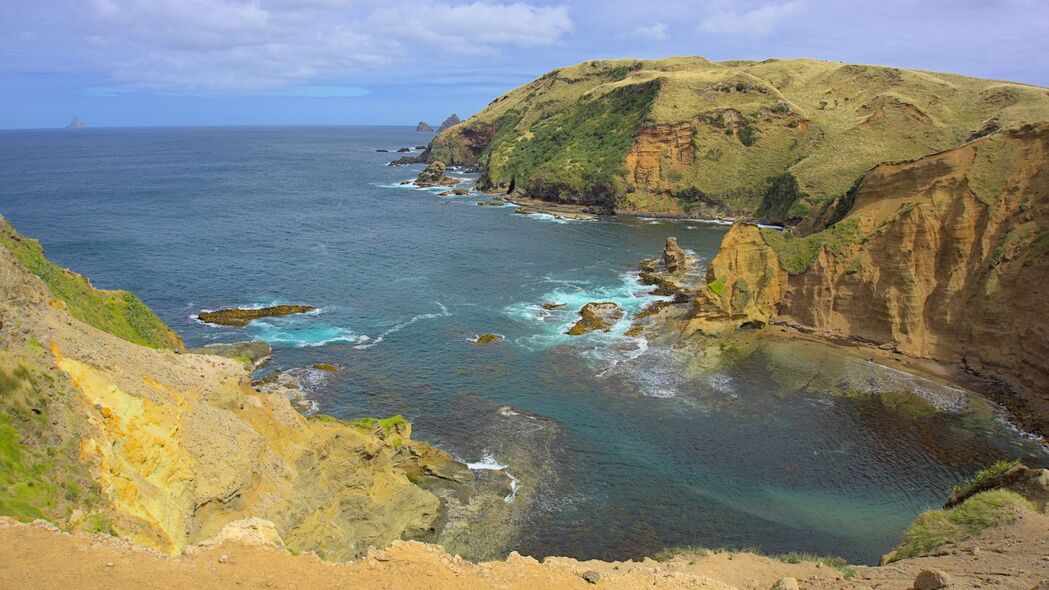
(118,312)
(576,154)
(825,123)
(41,475)
(998,468)
(796,254)
(936,528)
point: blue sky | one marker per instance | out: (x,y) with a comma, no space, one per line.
(238,62)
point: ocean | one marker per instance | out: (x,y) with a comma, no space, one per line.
(610,447)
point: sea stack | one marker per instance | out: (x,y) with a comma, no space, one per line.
(673,256)
(451,121)
(76,123)
(424,126)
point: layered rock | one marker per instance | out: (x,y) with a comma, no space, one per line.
(941,258)
(673,256)
(167,448)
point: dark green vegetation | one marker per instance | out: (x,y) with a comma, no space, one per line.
(576,154)
(118,312)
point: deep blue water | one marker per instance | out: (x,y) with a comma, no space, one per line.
(639,448)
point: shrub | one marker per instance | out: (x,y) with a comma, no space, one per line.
(748,135)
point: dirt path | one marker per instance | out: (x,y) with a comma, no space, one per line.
(39,556)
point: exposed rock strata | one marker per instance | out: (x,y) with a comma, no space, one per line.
(941,258)
(176,446)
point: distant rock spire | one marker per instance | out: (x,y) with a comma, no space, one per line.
(423,126)
(76,123)
(453,119)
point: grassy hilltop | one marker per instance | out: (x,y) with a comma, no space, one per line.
(778,139)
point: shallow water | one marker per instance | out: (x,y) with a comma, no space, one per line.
(618,449)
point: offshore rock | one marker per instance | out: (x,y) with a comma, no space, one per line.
(434,175)
(673,256)
(424,126)
(238,318)
(596,315)
(451,121)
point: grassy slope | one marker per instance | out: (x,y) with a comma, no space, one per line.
(823,122)
(118,312)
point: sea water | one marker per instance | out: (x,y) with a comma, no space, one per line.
(610,446)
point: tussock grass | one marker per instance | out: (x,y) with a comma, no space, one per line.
(796,254)
(998,468)
(936,528)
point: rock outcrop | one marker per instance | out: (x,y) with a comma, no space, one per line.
(451,121)
(238,318)
(167,449)
(940,258)
(673,256)
(433,175)
(424,126)
(595,316)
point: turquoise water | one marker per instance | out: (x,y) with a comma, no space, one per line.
(619,448)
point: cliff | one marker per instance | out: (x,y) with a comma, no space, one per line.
(101,432)
(941,258)
(774,139)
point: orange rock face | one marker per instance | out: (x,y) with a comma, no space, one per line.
(656,152)
(949,263)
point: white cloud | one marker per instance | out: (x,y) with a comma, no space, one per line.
(656,32)
(756,22)
(260,45)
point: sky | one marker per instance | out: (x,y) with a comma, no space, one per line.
(348,62)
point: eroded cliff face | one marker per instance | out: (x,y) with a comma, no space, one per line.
(179,445)
(943,258)
(658,152)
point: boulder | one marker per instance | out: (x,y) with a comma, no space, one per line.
(596,315)
(673,256)
(591,577)
(484,339)
(932,580)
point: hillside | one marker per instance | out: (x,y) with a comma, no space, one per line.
(940,258)
(775,139)
(99,432)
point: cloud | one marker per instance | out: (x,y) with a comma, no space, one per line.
(656,32)
(267,45)
(757,22)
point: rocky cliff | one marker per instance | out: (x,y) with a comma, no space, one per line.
(942,257)
(774,139)
(101,433)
